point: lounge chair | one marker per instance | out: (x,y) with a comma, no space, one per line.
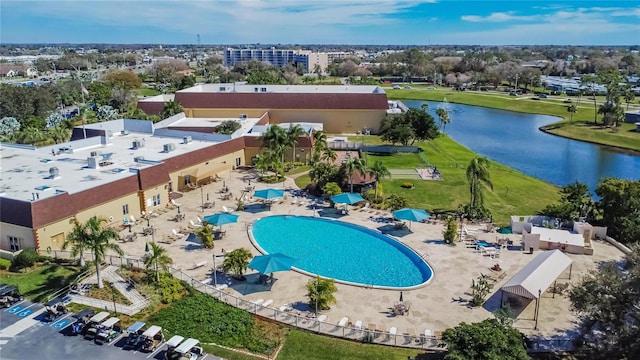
(343,321)
(294,200)
(358,325)
(194,225)
(285,307)
(322,318)
(392,332)
(176,234)
(258,301)
(226,209)
(365,207)
(267,303)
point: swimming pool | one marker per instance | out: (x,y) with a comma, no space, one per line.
(345,252)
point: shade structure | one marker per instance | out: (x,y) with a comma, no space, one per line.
(347,198)
(410,214)
(504,230)
(270,263)
(221,219)
(269,194)
(536,277)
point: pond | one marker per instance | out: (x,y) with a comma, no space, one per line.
(513,139)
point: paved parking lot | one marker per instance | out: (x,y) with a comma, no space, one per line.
(54,341)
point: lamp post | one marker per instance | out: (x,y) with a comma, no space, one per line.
(178,209)
(113,296)
(215,271)
(268,353)
(201,199)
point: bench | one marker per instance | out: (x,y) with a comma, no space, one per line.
(199,265)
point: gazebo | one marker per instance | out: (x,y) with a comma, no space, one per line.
(537,276)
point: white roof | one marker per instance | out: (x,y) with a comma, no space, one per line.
(558,236)
(290,89)
(99,317)
(152,331)
(158,98)
(187,345)
(538,274)
(175,341)
(110,322)
(136,326)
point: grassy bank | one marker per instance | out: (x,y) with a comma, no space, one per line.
(41,282)
(513,192)
(580,129)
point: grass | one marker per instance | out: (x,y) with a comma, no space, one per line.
(303,181)
(553,106)
(401,160)
(148,92)
(304,345)
(228,354)
(40,283)
(108,293)
(298,170)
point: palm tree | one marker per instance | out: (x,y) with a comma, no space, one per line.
(205,235)
(96,237)
(77,240)
(444,118)
(59,134)
(293,133)
(32,135)
(378,171)
(478,175)
(351,165)
(320,293)
(275,139)
(236,262)
(572,109)
(629,96)
(158,258)
(171,108)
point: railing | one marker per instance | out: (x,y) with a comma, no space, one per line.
(304,321)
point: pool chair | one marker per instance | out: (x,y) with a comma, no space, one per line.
(392,332)
(294,201)
(322,318)
(267,303)
(358,325)
(365,207)
(176,234)
(343,321)
(226,209)
(193,225)
(258,301)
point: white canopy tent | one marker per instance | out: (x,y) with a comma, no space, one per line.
(537,276)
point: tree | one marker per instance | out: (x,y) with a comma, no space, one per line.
(171,108)
(157,259)
(575,202)
(8,126)
(54,119)
(352,165)
(477,176)
(444,118)
(620,206)
(322,173)
(450,234)
(59,134)
(275,139)
(293,133)
(415,124)
(320,293)
(228,127)
(93,235)
(484,340)
(123,79)
(106,113)
(395,130)
(396,202)
(629,96)
(590,86)
(607,301)
(237,262)
(572,109)
(378,171)
(331,189)
(99,93)
(205,234)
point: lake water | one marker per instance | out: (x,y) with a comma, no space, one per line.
(513,139)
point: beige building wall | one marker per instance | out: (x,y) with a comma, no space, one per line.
(224,113)
(24,235)
(150,197)
(208,168)
(53,235)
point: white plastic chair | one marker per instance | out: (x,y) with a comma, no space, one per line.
(343,321)
(358,325)
(226,209)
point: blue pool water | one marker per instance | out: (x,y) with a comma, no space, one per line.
(342,251)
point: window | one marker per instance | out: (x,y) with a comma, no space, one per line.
(263,89)
(238,161)
(125,209)
(14,243)
(156,200)
(187,179)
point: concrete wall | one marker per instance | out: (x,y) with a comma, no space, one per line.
(22,232)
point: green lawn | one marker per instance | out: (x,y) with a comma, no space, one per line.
(298,170)
(553,106)
(304,345)
(41,282)
(403,160)
(148,92)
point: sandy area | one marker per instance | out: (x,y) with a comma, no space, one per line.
(437,306)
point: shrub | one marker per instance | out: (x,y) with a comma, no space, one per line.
(407,185)
(171,289)
(228,127)
(272,179)
(27,258)
(5,264)
(450,234)
(395,202)
(331,189)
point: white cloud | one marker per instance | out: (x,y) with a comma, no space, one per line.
(498,17)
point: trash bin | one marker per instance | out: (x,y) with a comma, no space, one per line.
(531,250)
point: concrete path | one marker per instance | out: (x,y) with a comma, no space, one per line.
(109,273)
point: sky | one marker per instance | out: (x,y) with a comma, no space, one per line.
(358,22)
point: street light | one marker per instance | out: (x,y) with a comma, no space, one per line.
(201,199)
(215,271)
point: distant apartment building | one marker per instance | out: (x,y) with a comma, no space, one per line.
(305,59)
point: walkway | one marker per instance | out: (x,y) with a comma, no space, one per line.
(126,288)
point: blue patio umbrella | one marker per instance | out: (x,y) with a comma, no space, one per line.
(221,219)
(270,263)
(347,198)
(269,194)
(410,214)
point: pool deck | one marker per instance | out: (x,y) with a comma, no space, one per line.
(439,305)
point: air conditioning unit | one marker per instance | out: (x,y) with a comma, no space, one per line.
(54,172)
(243,116)
(138,158)
(94,153)
(187,139)
(124,132)
(137,144)
(169,147)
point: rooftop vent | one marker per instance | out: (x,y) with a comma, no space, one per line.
(137,144)
(54,172)
(92,162)
(124,132)
(169,147)
(94,153)
(138,158)
(187,139)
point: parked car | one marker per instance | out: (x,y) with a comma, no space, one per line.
(134,335)
(109,330)
(407,87)
(542,96)
(9,295)
(81,324)
(54,309)
(151,338)
(513,93)
(396,86)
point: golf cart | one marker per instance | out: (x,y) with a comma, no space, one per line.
(55,308)
(109,330)
(134,335)
(94,325)
(189,350)
(151,338)
(9,295)
(82,321)
(172,344)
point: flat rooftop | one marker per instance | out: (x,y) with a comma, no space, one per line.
(285,89)
(26,172)
(558,236)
